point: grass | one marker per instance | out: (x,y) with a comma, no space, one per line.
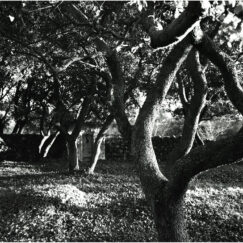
(39,203)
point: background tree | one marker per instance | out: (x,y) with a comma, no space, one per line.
(81,44)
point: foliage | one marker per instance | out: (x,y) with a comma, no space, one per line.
(41,40)
(39,203)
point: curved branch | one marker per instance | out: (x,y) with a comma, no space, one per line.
(151,176)
(211,155)
(192,116)
(226,66)
(118,86)
(178,29)
(165,77)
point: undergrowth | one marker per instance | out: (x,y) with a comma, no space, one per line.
(38,203)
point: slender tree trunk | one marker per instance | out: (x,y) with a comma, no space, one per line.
(72,154)
(95,155)
(46,143)
(21,126)
(16,128)
(98,142)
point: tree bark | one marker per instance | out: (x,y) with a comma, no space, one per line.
(202,158)
(118,87)
(167,196)
(168,205)
(193,109)
(177,29)
(226,66)
(169,217)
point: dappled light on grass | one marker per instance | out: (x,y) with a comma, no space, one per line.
(11,168)
(215,205)
(110,205)
(66,194)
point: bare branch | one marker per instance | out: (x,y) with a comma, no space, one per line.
(69,63)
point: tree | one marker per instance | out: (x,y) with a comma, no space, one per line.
(67,88)
(118,31)
(165,187)
(169,186)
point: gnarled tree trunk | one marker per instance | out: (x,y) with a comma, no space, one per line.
(152,178)
(169,217)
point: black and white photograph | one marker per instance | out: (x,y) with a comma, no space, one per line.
(121,121)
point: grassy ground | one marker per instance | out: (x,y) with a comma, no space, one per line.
(38,203)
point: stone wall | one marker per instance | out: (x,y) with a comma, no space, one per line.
(115,148)
(163,146)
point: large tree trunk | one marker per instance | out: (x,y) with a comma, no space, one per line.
(72,154)
(169,217)
(152,177)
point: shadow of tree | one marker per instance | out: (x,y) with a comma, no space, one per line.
(116,217)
